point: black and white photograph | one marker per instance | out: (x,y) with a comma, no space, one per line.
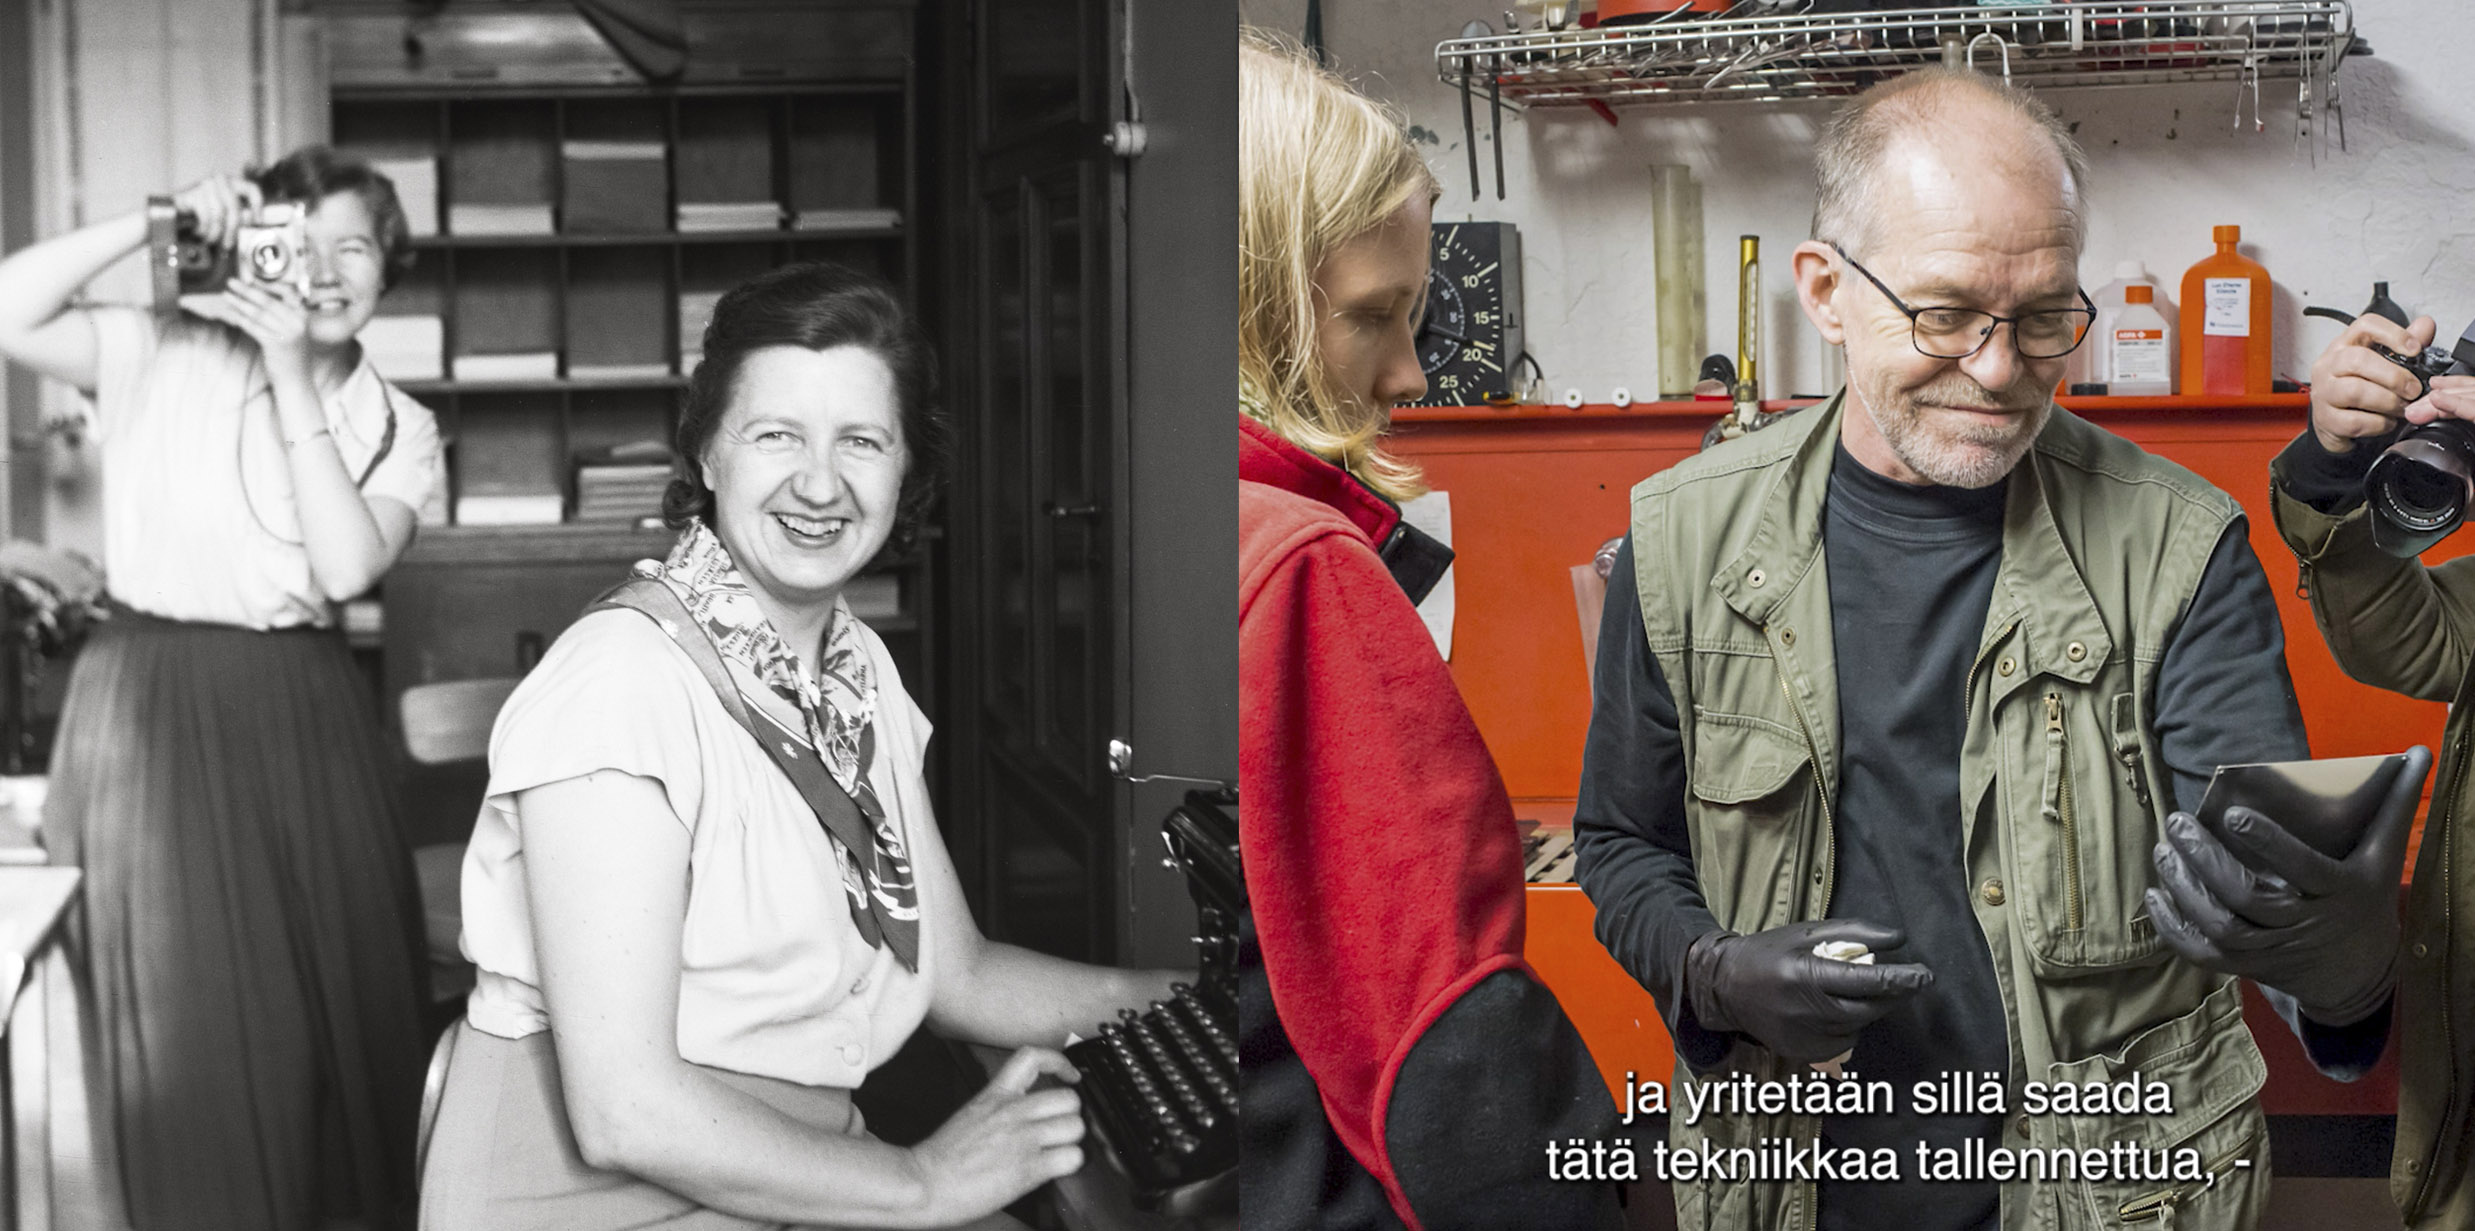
(617,613)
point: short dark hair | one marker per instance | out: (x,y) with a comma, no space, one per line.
(313,173)
(814,305)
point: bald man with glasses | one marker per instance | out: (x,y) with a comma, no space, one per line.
(1928,672)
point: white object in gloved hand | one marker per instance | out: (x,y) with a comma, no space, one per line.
(1840,951)
(1773,988)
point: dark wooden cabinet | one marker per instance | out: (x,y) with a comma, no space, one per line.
(807,112)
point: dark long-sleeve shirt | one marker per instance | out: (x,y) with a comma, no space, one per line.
(1911,572)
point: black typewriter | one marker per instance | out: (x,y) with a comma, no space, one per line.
(1160,1087)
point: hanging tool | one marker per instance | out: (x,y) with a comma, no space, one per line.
(1748,390)
(2250,79)
(1495,108)
(1469,126)
(2336,110)
(2303,106)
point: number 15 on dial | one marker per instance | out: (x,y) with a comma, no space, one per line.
(1470,339)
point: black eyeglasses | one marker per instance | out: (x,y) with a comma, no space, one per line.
(1956,333)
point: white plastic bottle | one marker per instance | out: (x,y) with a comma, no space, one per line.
(2139,346)
(2109,300)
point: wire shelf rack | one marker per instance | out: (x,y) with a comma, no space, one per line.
(1752,53)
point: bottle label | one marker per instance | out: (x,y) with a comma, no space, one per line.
(2228,307)
(2140,355)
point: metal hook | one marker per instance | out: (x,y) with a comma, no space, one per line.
(2251,78)
(2303,105)
(2336,110)
(1999,41)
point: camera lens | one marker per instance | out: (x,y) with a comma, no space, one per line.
(268,258)
(2421,498)
(2419,487)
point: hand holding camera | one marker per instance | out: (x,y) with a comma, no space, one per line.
(216,206)
(2384,376)
(2359,393)
(274,316)
(220,232)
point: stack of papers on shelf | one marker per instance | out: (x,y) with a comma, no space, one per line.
(829,221)
(695,312)
(623,483)
(529,365)
(468,219)
(533,509)
(416,188)
(708,216)
(874,596)
(618,371)
(608,150)
(406,347)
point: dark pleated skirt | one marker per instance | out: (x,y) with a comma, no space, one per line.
(250,926)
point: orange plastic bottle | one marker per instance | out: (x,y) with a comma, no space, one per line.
(2225,326)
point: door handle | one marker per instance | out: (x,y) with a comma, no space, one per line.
(1121,767)
(1062,512)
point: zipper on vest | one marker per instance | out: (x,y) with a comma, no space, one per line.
(2160,1206)
(2452,1111)
(2061,752)
(1813,752)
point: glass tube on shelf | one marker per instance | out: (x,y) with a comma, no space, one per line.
(1676,238)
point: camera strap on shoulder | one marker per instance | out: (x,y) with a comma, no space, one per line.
(386,438)
(789,750)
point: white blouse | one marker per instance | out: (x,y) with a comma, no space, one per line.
(774,978)
(199,520)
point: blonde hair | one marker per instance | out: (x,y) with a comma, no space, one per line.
(1318,165)
(1848,159)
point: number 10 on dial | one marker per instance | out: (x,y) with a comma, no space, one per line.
(1470,339)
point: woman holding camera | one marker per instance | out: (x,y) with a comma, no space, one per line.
(250,923)
(687,962)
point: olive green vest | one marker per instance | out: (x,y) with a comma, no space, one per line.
(2061,788)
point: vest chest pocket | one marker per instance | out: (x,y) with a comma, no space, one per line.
(2212,1073)
(1753,817)
(2081,822)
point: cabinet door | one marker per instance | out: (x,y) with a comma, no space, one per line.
(1041,436)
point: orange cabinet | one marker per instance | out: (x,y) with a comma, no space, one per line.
(1535,490)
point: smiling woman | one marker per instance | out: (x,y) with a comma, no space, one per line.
(251,927)
(674,1002)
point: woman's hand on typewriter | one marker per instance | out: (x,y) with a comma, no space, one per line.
(1008,1140)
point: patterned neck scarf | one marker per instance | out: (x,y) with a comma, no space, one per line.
(839,704)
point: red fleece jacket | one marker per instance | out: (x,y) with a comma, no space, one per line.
(1383,865)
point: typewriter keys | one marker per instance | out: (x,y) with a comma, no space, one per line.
(1160,1086)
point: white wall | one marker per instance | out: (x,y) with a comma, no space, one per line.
(2398,204)
(151,96)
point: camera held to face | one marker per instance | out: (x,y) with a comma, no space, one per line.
(2423,485)
(270,248)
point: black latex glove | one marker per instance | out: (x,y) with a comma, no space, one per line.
(1771,986)
(2254,901)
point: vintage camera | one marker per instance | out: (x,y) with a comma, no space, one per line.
(2420,488)
(270,248)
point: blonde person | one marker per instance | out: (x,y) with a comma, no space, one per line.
(687,962)
(250,928)
(1403,1064)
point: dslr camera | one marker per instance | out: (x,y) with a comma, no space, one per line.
(269,248)
(2422,485)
